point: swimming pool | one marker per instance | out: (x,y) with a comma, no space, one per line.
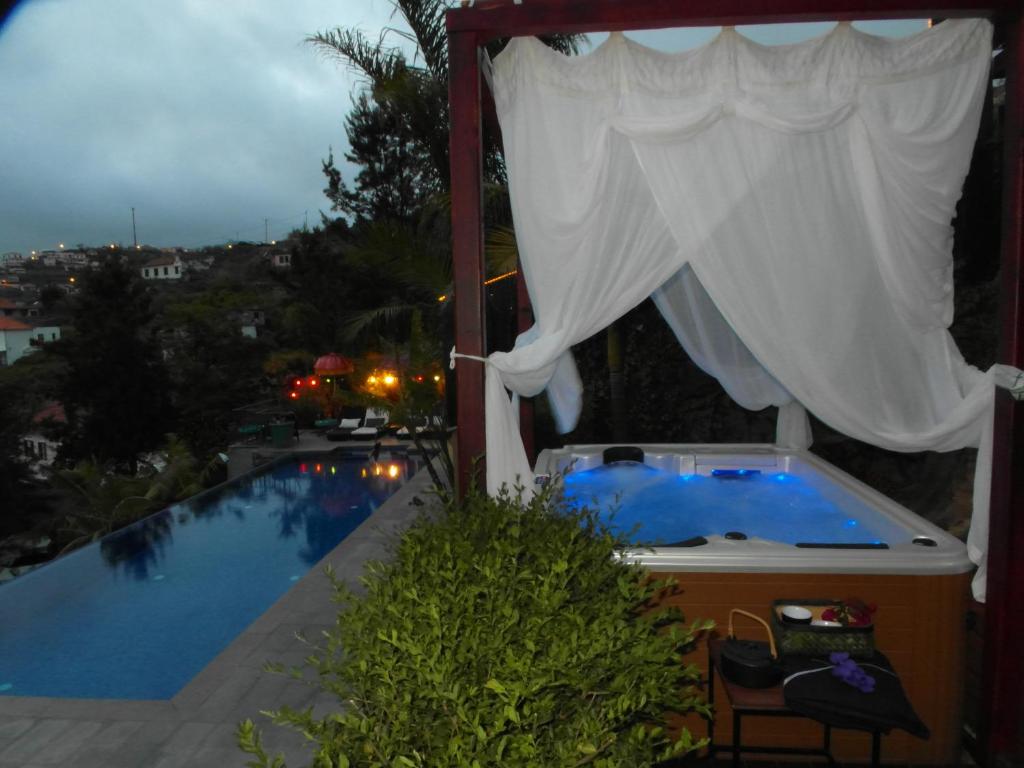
(137,614)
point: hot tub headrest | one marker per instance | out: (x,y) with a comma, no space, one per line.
(623,453)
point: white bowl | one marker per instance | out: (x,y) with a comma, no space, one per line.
(823,623)
(796,614)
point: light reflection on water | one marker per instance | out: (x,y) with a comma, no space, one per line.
(137,614)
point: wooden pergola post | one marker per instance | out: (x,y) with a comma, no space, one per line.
(471,26)
(466,153)
(1003,704)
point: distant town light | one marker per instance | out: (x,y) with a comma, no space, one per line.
(229,246)
(138,247)
(273,242)
(61,245)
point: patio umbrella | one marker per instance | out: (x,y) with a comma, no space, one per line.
(333,364)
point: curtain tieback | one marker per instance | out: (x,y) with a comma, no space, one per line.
(453,354)
(1017,388)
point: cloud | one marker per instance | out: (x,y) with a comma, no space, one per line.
(207,117)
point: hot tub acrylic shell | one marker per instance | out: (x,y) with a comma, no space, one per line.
(921,593)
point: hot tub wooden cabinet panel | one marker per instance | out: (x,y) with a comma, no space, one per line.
(739,547)
(919,626)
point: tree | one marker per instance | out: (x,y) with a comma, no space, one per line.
(394,175)
(402,116)
(214,369)
(116,389)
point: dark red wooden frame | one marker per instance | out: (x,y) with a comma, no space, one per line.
(472,26)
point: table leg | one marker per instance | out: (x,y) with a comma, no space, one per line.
(736,739)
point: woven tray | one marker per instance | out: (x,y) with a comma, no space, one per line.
(807,640)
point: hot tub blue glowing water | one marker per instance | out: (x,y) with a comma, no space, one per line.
(139,613)
(656,506)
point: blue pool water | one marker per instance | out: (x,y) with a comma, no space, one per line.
(665,508)
(139,613)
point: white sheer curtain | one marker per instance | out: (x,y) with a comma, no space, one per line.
(809,188)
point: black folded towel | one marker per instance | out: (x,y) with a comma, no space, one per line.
(811,689)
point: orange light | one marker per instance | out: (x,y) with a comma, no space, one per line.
(437,377)
(389,380)
(362,472)
(293,395)
(313,382)
(319,468)
(377,470)
(371,380)
(500,277)
(393,471)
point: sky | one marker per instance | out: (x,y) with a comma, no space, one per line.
(208,117)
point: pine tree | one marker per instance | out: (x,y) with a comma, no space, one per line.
(116,390)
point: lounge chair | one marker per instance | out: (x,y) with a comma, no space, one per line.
(373,426)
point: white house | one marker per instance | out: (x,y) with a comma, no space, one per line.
(281,259)
(18,339)
(40,448)
(163,268)
(15,340)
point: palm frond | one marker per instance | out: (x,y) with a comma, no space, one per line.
(376,63)
(379,316)
(501,250)
(426,20)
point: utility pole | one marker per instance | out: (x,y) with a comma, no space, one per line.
(305,221)
(135,239)
(266,232)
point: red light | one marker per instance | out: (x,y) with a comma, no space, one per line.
(313,381)
(419,379)
(303,468)
(293,395)
(319,468)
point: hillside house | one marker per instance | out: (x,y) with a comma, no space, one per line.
(18,339)
(39,446)
(163,268)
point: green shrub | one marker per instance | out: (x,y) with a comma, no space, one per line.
(501,634)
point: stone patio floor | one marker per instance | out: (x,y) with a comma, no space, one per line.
(196,728)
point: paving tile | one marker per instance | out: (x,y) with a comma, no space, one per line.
(117,733)
(224,699)
(219,757)
(152,734)
(38,737)
(187,737)
(99,756)
(106,709)
(12,729)
(23,705)
(222,736)
(176,760)
(70,741)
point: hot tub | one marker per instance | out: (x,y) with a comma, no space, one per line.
(743,525)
